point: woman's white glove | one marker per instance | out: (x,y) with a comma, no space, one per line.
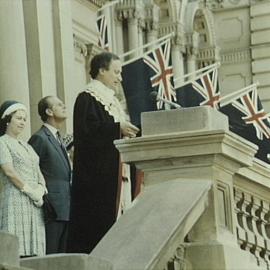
(35,194)
(45,189)
(39,203)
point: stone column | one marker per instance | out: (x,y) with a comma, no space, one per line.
(63,36)
(178,63)
(141,26)
(50,52)
(13,60)
(40,54)
(135,24)
(192,52)
(133,40)
(131,12)
(151,22)
(177,59)
(119,36)
(191,64)
(152,34)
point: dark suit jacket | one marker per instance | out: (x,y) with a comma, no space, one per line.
(55,167)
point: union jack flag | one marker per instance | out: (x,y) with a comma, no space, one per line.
(159,61)
(207,86)
(102,28)
(201,91)
(249,104)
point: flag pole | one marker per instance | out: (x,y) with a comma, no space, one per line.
(142,47)
(237,94)
(109,4)
(199,71)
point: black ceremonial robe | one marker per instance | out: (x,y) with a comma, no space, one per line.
(95,174)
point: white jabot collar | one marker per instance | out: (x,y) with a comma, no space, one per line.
(107,98)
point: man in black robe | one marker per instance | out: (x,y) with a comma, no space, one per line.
(98,121)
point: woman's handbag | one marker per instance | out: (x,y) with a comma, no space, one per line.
(48,209)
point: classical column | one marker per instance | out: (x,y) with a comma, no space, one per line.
(151,26)
(135,24)
(131,12)
(118,36)
(177,59)
(151,22)
(133,40)
(50,52)
(192,52)
(152,35)
(141,26)
(13,60)
(40,54)
(65,79)
(191,64)
(177,62)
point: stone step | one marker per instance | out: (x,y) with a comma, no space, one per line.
(66,262)
(10,267)
(9,249)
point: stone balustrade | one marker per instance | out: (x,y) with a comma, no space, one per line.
(252,208)
(208,56)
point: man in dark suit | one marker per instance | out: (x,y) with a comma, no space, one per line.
(55,166)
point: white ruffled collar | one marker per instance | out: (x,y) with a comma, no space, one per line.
(107,98)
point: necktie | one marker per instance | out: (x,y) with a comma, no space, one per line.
(63,147)
(60,140)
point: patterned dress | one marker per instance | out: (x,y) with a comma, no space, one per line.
(18,214)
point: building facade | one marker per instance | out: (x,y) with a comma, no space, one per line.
(46,46)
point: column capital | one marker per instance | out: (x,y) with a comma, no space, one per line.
(151,17)
(79,46)
(129,10)
(179,35)
(98,3)
(84,49)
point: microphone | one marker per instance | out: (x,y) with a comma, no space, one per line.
(154,96)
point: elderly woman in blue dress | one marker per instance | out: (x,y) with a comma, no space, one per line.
(22,185)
